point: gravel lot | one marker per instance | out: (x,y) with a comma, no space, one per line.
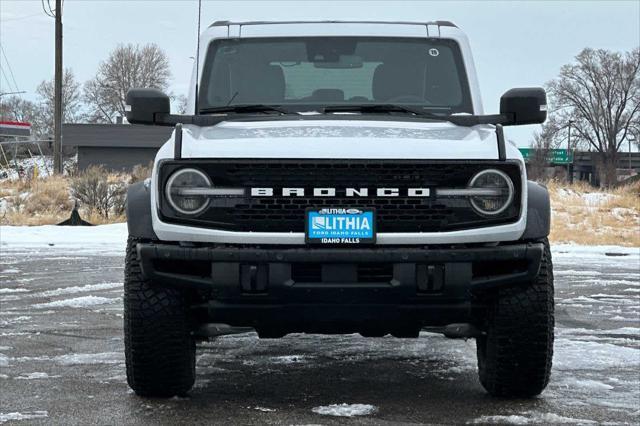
(62,362)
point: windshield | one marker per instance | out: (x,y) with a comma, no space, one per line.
(310,72)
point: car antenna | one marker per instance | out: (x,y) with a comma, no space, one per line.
(502,149)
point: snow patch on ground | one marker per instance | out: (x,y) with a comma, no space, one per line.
(621,318)
(577,250)
(530,418)
(77,302)
(631,331)
(263,409)
(10,271)
(584,384)
(595,199)
(15,320)
(13,290)
(99,358)
(92,240)
(574,273)
(345,410)
(81,289)
(27,415)
(580,355)
(289,359)
(35,375)
(73,359)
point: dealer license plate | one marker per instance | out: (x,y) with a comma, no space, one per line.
(340,226)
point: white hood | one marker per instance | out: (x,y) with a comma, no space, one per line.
(339,139)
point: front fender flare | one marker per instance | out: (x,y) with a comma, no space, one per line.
(138,210)
(538,212)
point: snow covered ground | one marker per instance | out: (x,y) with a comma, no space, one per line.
(89,240)
(42,163)
(62,362)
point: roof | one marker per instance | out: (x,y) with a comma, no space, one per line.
(115,135)
(438,23)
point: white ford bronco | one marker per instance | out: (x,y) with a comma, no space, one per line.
(338,177)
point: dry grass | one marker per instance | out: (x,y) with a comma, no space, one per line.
(586,215)
(37,202)
(581,214)
(44,202)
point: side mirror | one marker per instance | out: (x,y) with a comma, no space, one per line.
(144,104)
(526,105)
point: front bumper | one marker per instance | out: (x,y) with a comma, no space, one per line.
(246,286)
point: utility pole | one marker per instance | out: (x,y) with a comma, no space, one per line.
(569,159)
(57,120)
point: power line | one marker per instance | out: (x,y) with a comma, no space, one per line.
(4,74)
(10,70)
(20,18)
(49,12)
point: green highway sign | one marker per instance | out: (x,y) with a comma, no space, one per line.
(554,156)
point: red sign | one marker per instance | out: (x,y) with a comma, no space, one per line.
(15,128)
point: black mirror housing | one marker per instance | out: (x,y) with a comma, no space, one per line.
(144,104)
(525,105)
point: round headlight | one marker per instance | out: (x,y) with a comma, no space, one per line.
(182,191)
(499,194)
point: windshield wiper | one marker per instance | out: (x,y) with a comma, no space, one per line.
(460,120)
(246,109)
(379,108)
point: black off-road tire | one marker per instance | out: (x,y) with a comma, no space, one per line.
(514,357)
(159,347)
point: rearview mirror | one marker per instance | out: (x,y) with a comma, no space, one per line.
(526,105)
(144,104)
(343,62)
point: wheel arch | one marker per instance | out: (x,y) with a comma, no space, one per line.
(538,212)
(138,210)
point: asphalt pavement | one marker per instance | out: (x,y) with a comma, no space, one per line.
(62,361)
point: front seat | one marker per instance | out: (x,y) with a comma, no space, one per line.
(263,84)
(392,81)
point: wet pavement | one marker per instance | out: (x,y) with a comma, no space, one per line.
(62,362)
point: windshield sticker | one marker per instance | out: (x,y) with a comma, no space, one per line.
(434,52)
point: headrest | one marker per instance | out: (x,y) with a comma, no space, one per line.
(259,84)
(327,95)
(396,80)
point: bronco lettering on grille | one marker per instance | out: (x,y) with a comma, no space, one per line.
(349,192)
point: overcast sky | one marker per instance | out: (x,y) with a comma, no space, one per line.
(514,43)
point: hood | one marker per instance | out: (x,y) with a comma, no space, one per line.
(329,139)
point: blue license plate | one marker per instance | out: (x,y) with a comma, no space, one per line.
(340,226)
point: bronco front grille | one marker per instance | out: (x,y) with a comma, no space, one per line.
(287,214)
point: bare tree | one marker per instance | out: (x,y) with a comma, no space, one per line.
(128,66)
(600,95)
(542,144)
(71,101)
